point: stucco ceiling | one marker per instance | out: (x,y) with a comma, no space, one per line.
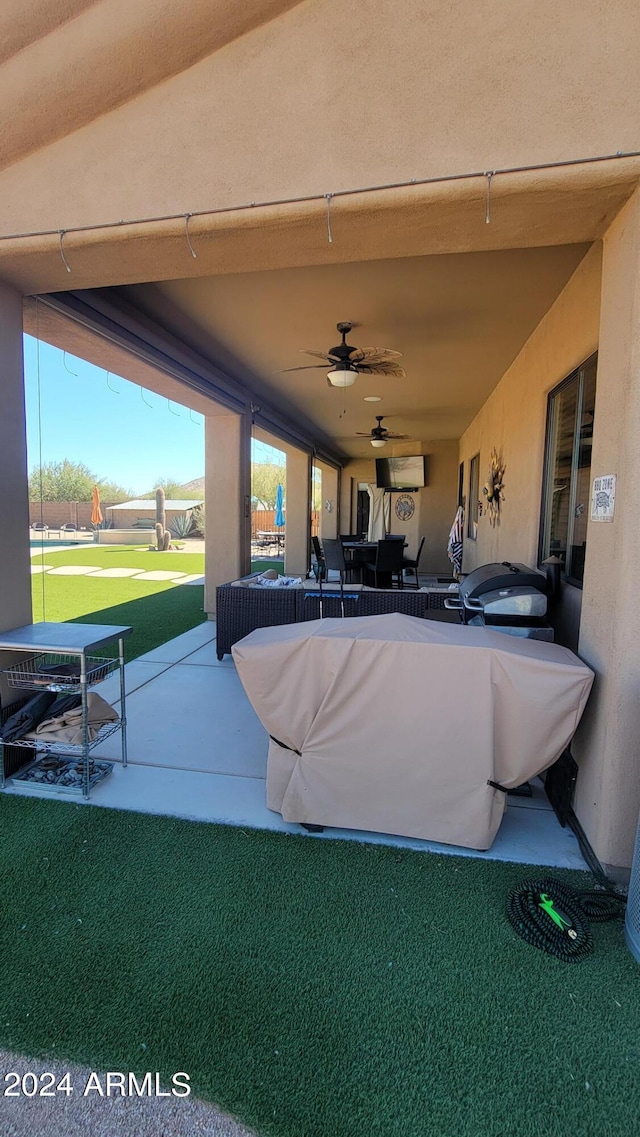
(459,321)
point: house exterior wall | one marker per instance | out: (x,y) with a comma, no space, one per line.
(599,309)
(513,419)
(473,87)
(608,790)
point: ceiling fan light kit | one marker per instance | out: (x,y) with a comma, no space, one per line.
(378,442)
(342,376)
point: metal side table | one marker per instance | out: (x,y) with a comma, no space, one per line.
(62,646)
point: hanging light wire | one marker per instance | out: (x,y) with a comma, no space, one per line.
(329,197)
(61,233)
(439,179)
(487,217)
(187,218)
(64,364)
(42,574)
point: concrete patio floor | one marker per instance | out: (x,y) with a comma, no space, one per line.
(198,751)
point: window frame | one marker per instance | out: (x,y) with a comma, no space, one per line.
(548,467)
(473,510)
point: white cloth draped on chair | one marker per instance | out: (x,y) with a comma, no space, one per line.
(379,513)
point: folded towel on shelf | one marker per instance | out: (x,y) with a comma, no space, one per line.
(28,717)
(64,703)
(67,727)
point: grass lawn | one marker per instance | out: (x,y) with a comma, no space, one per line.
(157,610)
(262,564)
(312,988)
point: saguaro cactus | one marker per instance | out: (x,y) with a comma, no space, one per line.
(161,516)
(163,537)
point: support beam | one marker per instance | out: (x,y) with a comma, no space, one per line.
(15,577)
(606,747)
(228,508)
(328,501)
(298,504)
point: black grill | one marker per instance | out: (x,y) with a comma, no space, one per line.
(506,597)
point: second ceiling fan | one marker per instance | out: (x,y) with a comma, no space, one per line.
(379,436)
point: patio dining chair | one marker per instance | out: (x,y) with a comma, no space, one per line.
(410,564)
(388,563)
(319,568)
(333,554)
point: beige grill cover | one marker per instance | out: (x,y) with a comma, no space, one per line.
(400,723)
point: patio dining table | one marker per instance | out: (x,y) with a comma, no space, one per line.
(357,553)
(272,538)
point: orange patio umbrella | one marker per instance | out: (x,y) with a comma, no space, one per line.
(96,512)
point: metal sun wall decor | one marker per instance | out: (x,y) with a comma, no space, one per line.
(493,488)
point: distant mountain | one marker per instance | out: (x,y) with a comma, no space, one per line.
(194,488)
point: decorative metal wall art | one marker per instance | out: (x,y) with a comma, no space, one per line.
(493,488)
(405,507)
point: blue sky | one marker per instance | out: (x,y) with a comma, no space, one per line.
(74,411)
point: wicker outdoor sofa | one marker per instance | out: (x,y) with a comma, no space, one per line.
(242,606)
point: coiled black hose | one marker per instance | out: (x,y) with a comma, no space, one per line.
(551,916)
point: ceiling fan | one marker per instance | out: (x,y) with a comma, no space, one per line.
(379,436)
(347,362)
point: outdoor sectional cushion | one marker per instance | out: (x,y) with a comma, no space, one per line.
(398,725)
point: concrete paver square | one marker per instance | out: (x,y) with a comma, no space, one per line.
(73,570)
(159,574)
(40,568)
(116,572)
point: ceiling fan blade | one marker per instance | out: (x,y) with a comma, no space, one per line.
(390,369)
(375,354)
(305,367)
(316,354)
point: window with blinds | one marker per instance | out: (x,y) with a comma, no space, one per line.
(567,471)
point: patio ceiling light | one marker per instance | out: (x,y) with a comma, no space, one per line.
(342,376)
(378,442)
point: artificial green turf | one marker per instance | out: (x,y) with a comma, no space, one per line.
(313,988)
(262,564)
(122,556)
(157,610)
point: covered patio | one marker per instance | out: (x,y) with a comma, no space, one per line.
(197,751)
(492,241)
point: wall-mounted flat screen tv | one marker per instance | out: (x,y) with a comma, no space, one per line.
(401,473)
